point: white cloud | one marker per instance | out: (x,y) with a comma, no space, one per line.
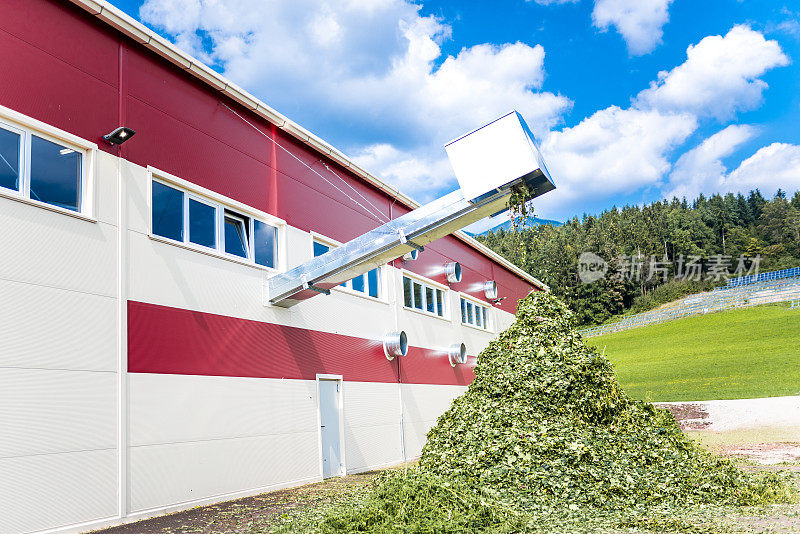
(700,170)
(719,77)
(614,151)
(770,168)
(409,172)
(639,22)
(372,72)
(620,151)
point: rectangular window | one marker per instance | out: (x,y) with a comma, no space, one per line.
(357,284)
(373,283)
(474,314)
(417,295)
(167,211)
(40,169)
(182,217)
(10,157)
(55,174)
(235,235)
(202,224)
(430,302)
(266,243)
(421,296)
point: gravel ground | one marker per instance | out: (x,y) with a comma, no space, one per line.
(247,514)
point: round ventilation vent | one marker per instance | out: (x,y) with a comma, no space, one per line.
(395,344)
(452,272)
(457,354)
(490,289)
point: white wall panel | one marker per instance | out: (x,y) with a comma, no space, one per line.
(52,249)
(51,490)
(415,434)
(422,406)
(163,475)
(136,181)
(43,327)
(105,186)
(372,447)
(180,408)
(371,424)
(46,411)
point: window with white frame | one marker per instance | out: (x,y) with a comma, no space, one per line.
(368,283)
(40,168)
(417,295)
(475,314)
(187,218)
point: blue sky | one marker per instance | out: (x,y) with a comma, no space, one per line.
(633,100)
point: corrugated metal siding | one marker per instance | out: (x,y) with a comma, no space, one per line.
(371,425)
(56,490)
(196,437)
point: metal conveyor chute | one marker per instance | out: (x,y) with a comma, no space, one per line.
(489,163)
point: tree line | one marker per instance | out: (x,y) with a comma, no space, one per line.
(648,250)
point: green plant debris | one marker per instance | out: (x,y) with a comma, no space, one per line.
(546,440)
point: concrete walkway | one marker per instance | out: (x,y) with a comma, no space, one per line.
(766,430)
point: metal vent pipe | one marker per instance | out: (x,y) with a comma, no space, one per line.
(395,344)
(452,272)
(457,354)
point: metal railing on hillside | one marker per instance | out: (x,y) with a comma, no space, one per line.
(765,292)
(761,277)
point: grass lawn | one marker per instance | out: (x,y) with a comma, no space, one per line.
(738,354)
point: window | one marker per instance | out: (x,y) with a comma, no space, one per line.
(40,169)
(55,176)
(266,243)
(236,238)
(418,295)
(367,283)
(474,314)
(10,156)
(167,211)
(202,223)
(180,216)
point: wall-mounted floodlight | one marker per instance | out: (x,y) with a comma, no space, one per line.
(395,344)
(119,136)
(490,289)
(410,256)
(452,271)
(457,354)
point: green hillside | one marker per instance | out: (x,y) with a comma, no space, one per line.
(737,354)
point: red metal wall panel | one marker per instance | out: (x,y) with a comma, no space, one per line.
(74,91)
(425,366)
(174,341)
(58,29)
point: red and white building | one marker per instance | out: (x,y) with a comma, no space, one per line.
(142,369)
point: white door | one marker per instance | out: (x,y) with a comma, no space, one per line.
(329,413)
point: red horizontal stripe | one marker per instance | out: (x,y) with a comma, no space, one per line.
(168,340)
